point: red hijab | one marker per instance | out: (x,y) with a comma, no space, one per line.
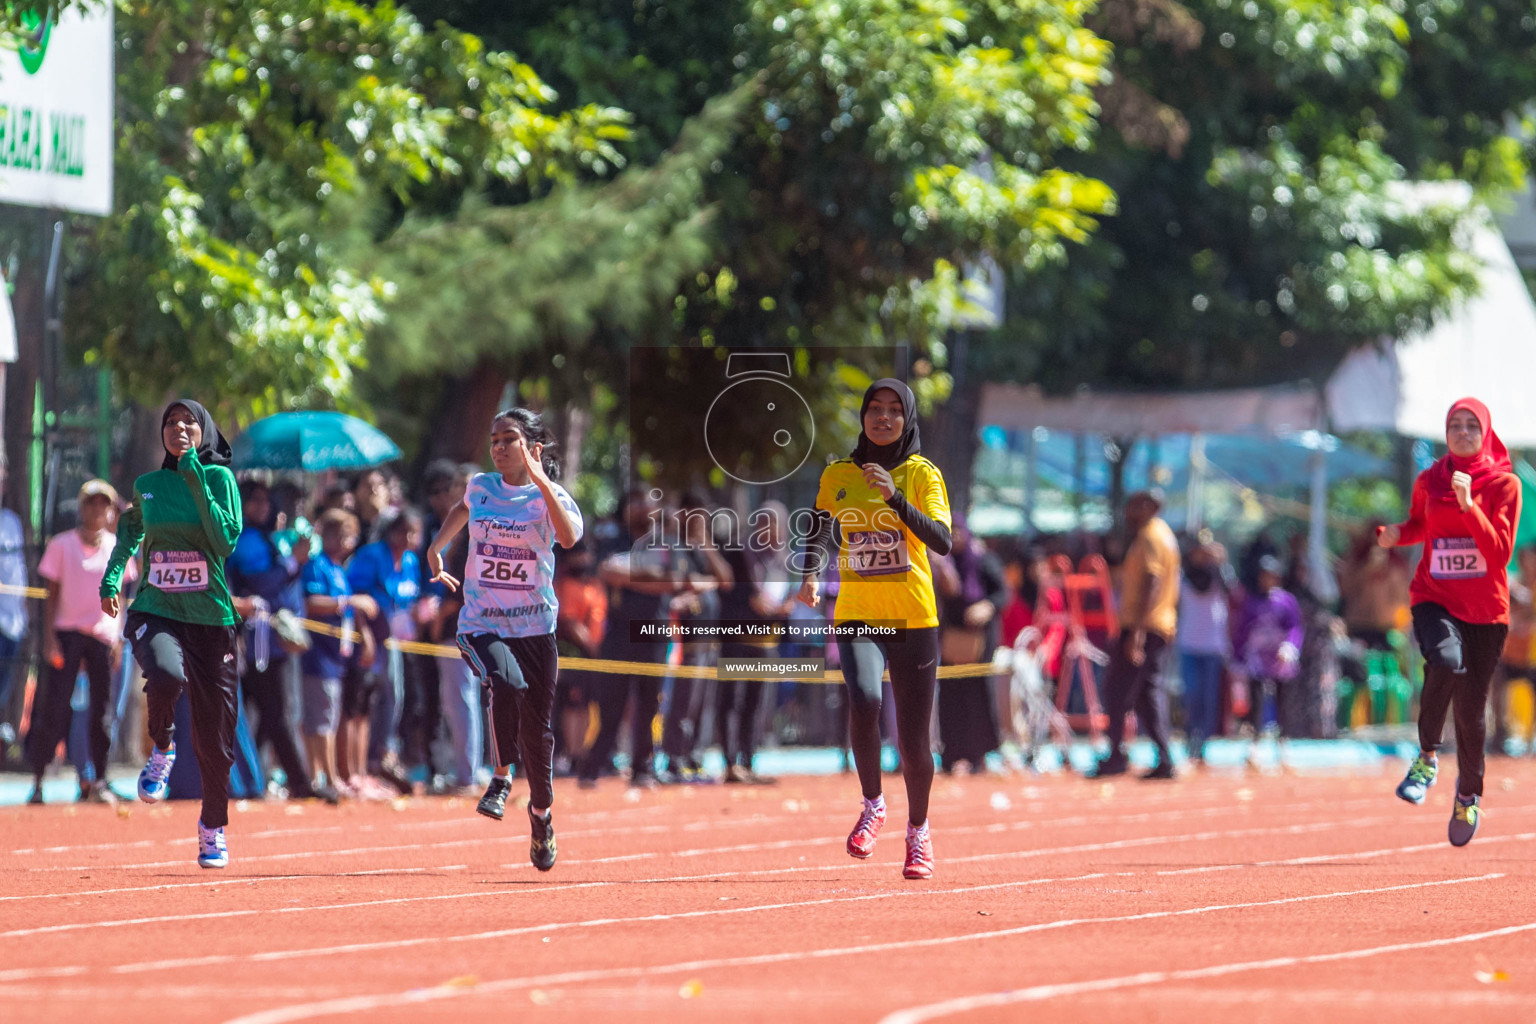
(1491,460)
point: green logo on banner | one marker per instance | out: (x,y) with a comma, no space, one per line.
(36,29)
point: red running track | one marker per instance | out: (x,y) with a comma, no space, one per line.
(1215,897)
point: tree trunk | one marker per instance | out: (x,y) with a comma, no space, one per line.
(577,420)
(954,441)
(145,448)
(22,376)
(463,419)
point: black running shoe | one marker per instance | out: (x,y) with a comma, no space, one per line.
(494,803)
(541,850)
(1114,764)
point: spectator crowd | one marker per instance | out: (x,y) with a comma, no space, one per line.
(342,700)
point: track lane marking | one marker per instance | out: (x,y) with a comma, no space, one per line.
(359,1004)
(991,828)
(266,956)
(1037,993)
(796,869)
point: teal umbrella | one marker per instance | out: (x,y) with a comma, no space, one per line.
(313,442)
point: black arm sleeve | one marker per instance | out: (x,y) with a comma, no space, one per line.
(820,545)
(934,535)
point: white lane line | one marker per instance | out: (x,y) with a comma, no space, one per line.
(1243,865)
(797,869)
(1110,844)
(729,821)
(1036,993)
(411,826)
(478,822)
(230,882)
(1334,998)
(1079,820)
(359,1004)
(268,956)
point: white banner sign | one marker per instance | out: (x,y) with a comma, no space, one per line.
(56,94)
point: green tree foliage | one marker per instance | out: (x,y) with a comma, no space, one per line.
(252,139)
(1261,151)
(868,144)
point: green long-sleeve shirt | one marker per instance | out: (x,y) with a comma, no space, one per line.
(188,520)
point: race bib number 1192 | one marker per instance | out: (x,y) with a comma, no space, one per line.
(1456,558)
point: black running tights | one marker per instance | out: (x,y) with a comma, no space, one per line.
(913,658)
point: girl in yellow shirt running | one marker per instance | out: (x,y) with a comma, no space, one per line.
(881,510)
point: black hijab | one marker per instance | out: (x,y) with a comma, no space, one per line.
(213,450)
(889,456)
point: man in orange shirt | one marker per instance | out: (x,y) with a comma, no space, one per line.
(583,620)
(1149,618)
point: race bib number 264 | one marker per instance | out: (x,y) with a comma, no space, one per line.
(500,567)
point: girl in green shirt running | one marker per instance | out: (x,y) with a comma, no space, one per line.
(186,515)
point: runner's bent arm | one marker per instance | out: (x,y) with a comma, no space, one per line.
(1496,537)
(217,498)
(934,534)
(130,532)
(568,530)
(1412,531)
(456,521)
(820,546)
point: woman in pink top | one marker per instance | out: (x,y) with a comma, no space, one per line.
(77,632)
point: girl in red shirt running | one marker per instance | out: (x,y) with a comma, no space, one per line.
(1465,508)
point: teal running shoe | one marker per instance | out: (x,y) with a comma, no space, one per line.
(1421,775)
(1464,820)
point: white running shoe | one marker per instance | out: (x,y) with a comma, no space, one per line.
(211,849)
(154,780)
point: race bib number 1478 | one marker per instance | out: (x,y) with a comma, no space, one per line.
(178,572)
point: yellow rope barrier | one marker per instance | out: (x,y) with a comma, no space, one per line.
(36,593)
(604,665)
(640,668)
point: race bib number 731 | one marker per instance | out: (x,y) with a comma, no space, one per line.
(878,552)
(501,567)
(178,572)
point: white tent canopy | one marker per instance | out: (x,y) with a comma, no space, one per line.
(1281,410)
(1486,349)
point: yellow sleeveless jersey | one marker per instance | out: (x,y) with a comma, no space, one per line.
(883,568)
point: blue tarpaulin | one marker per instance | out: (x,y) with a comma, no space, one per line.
(1263,463)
